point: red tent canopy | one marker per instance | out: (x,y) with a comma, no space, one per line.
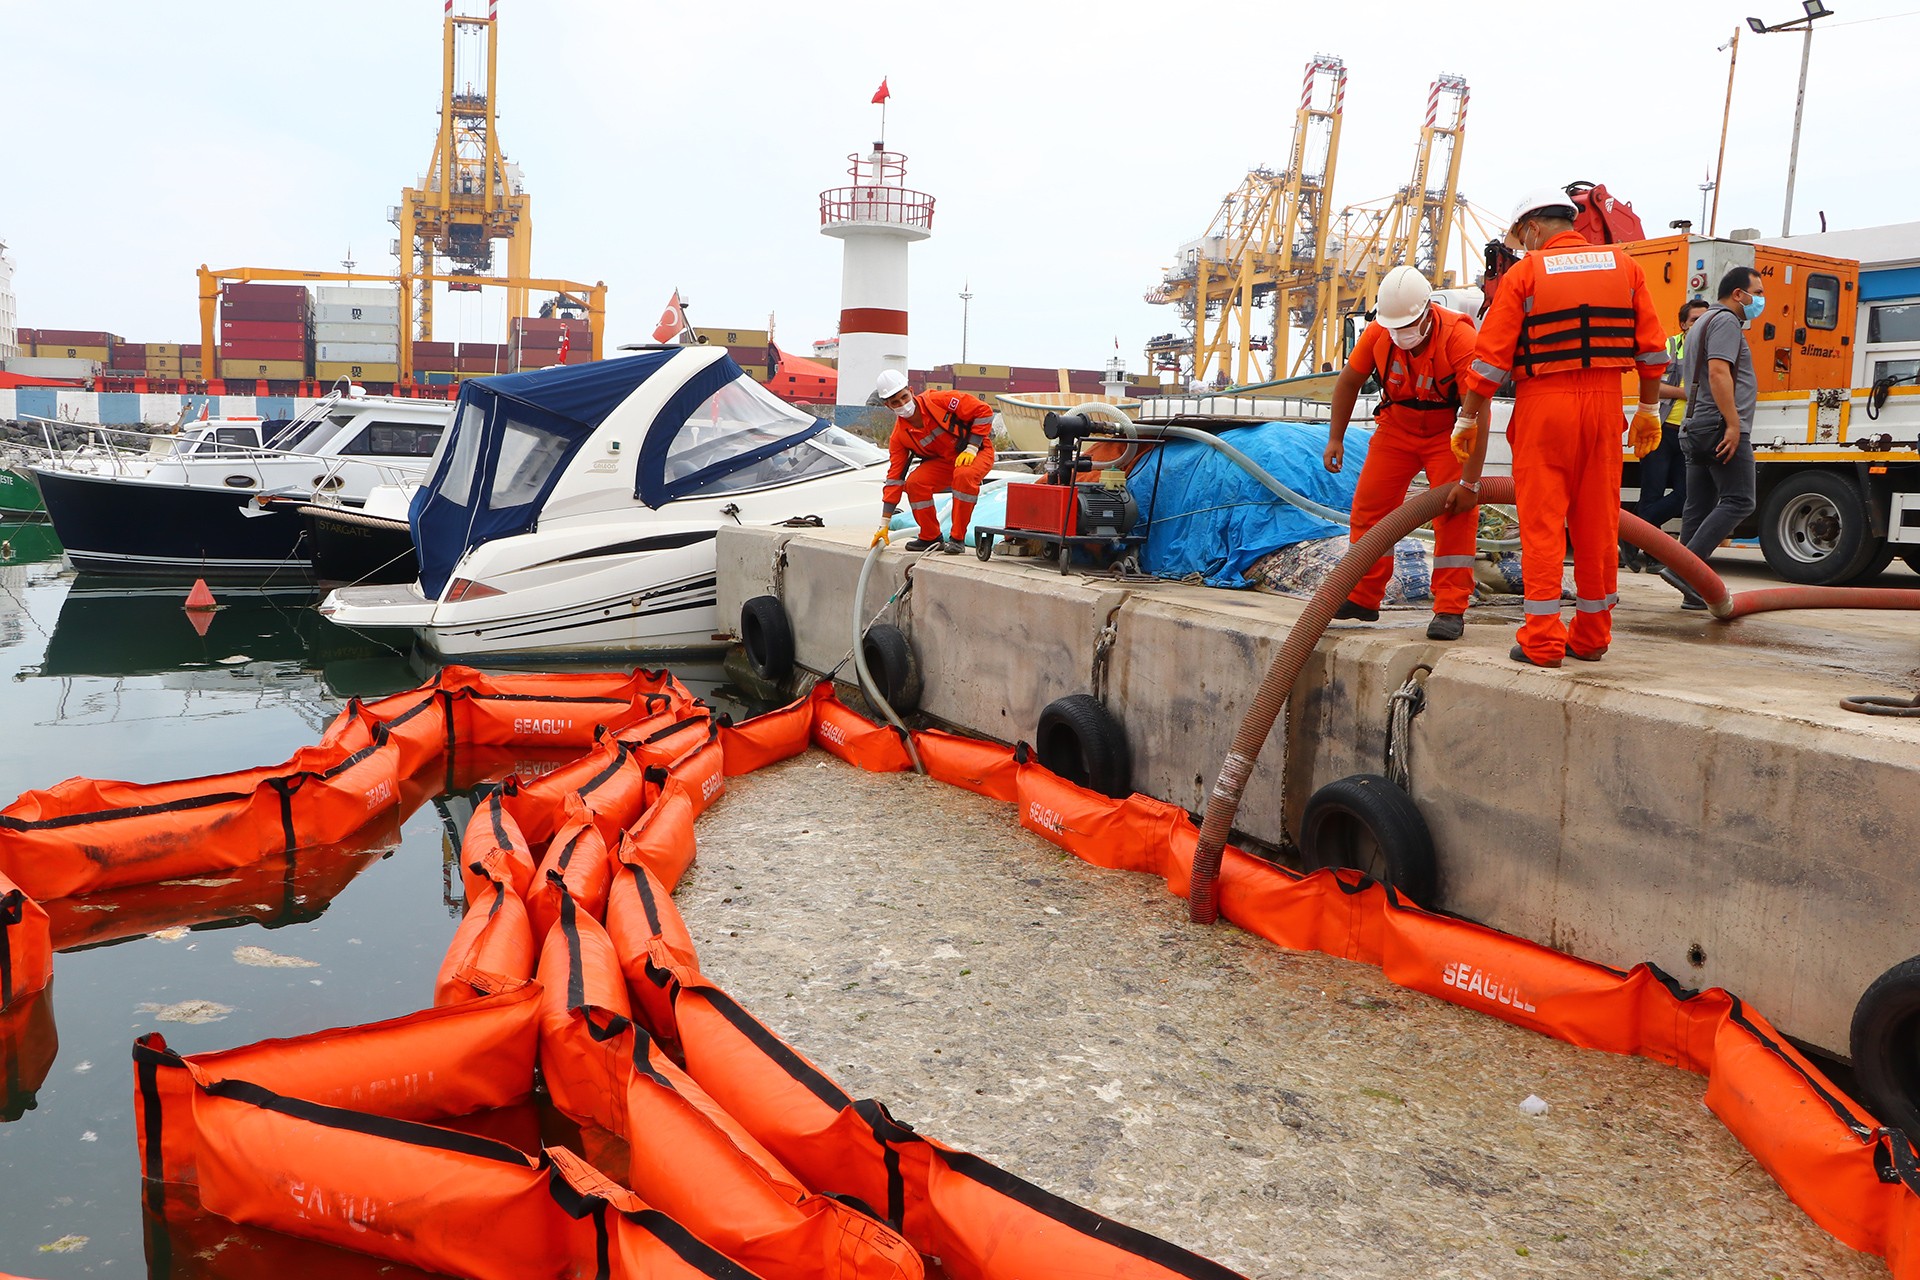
(8,381)
(799,380)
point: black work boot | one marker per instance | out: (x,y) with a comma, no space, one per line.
(1357,612)
(1446,626)
(923,544)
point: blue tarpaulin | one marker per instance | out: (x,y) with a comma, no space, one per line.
(1211,518)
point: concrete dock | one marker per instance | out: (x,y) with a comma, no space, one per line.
(1698,799)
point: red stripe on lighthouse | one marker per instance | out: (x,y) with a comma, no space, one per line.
(873,320)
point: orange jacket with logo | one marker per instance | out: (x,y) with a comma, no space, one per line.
(946,423)
(1568,307)
(1420,391)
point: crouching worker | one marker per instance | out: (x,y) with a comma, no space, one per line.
(951,434)
(1419,349)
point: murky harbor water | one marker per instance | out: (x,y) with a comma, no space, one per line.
(106,678)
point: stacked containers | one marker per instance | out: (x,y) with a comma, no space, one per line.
(536,343)
(748,347)
(434,364)
(356,334)
(484,359)
(67,344)
(263,331)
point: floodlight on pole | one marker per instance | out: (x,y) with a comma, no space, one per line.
(1814,9)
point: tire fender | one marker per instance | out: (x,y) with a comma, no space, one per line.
(767,636)
(1081,741)
(1366,823)
(1884,1042)
(895,670)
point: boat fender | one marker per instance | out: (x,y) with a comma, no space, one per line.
(895,670)
(1081,741)
(1885,1044)
(1367,823)
(767,636)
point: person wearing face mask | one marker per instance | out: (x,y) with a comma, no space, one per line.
(1717,434)
(1568,321)
(1418,349)
(951,433)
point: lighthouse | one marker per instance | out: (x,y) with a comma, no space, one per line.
(875,219)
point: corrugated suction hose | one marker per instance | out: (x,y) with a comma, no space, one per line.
(1203,906)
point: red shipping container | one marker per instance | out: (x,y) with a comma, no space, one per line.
(263,331)
(75,337)
(257,349)
(482,365)
(263,311)
(1042,508)
(425,351)
(1020,386)
(189,351)
(281,294)
(1021,373)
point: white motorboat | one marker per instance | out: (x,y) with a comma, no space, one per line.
(574,510)
(195,502)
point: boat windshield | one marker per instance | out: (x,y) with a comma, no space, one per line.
(731,443)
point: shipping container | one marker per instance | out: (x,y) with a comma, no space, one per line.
(486,364)
(359,371)
(357,352)
(163,348)
(52,367)
(354,313)
(334,332)
(438,379)
(734,337)
(289,296)
(68,351)
(262,331)
(261,311)
(1000,371)
(426,351)
(75,337)
(257,349)
(356,295)
(483,349)
(980,384)
(291,370)
(190,351)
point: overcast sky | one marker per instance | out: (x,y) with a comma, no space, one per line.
(1070,148)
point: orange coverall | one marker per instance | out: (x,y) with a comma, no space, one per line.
(945,424)
(1568,322)
(1413,432)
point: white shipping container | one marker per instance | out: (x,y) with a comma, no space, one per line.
(356,333)
(356,295)
(52,367)
(354,313)
(357,352)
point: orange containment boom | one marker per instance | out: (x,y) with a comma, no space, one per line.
(740,1156)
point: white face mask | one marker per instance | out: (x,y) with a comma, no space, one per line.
(1409,336)
(908,409)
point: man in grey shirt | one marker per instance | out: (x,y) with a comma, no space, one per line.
(1717,433)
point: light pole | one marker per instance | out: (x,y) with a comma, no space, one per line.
(1707,184)
(966,309)
(1814,10)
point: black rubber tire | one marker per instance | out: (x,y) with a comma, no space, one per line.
(1913,560)
(767,637)
(1080,740)
(894,669)
(1813,529)
(1367,823)
(1876,564)
(1885,1045)
(983,546)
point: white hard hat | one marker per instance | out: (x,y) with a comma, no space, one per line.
(1552,202)
(890,384)
(1403,298)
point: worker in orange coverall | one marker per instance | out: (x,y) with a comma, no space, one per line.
(1419,350)
(1567,322)
(952,433)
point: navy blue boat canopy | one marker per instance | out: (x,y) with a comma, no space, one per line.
(510,441)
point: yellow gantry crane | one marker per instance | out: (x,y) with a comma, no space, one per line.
(1265,245)
(471,194)
(1276,239)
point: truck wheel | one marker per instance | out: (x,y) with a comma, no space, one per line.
(1367,823)
(1813,529)
(1885,1044)
(1876,563)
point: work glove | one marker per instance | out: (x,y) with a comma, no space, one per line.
(965,458)
(1643,434)
(1465,434)
(881,537)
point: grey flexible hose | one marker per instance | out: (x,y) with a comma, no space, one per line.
(867,683)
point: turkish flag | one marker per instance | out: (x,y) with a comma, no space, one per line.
(881,94)
(563,345)
(672,321)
